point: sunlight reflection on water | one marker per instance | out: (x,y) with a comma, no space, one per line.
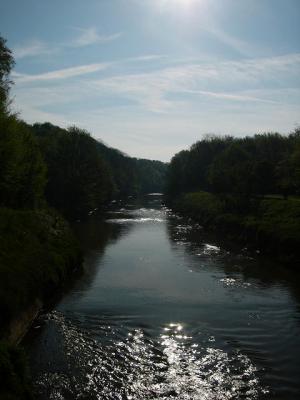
(137,366)
(138,220)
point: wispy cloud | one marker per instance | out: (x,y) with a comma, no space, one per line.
(175,102)
(87,37)
(170,88)
(162,90)
(240,96)
(32,48)
(61,73)
(147,57)
(82,69)
(91,36)
(240,46)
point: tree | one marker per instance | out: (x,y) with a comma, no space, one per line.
(79,180)
(263,177)
(6,64)
(151,175)
(177,174)
(22,170)
(284,173)
(231,172)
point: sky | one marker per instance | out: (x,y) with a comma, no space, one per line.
(151,77)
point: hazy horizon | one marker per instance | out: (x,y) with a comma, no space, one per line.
(150,77)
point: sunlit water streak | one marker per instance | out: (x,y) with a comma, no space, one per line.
(165,312)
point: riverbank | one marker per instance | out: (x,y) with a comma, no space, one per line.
(270,225)
(38,255)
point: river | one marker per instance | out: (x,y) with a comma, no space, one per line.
(166,311)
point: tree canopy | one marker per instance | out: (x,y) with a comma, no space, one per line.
(244,167)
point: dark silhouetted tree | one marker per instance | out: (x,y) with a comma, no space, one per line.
(6,64)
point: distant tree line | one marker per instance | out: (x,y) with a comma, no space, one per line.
(265,164)
(84,174)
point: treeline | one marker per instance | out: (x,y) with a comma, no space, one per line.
(68,168)
(264,164)
(133,176)
(83,174)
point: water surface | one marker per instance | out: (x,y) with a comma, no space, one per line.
(165,311)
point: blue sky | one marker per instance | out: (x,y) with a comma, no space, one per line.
(151,77)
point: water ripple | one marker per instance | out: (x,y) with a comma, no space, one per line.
(135,366)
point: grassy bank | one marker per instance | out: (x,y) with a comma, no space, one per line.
(38,253)
(271,225)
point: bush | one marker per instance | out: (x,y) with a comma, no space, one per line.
(37,252)
(273,225)
(14,375)
(202,206)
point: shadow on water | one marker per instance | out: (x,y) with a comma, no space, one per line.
(94,235)
(230,257)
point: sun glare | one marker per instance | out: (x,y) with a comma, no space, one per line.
(172,5)
(183,3)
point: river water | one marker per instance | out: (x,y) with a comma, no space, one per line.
(165,311)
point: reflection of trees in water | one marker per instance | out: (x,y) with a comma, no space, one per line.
(94,235)
(232,260)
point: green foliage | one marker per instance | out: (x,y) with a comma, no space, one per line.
(202,206)
(84,174)
(37,253)
(177,173)
(285,177)
(123,171)
(272,225)
(79,179)
(151,175)
(37,249)
(295,165)
(280,220)
(263,177)
(14,374)
(6,64)
(132,176)
(231,172)
(244,168)
(22,171)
